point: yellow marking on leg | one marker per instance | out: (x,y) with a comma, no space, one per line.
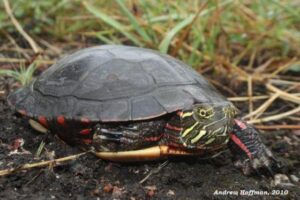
(187,131)
(210,140)
(37,126)
(187,114)
(200,135)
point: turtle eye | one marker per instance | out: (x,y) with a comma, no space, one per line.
(203,113)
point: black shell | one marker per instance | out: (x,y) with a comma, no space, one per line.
(114,83)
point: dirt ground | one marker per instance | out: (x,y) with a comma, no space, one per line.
(90,178)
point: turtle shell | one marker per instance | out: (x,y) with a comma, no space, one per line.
(114,83)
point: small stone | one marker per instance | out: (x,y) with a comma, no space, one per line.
(282,180)
(108,188)
(108,168)
(281,147)
(117,192)
(294,178)
(95,192)
(150,193)
(152,187)
(151,190)
(170,193)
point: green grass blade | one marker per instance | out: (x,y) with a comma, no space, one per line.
(175,16)
(8,72)
(164,18)
(133,21)
(28,74)
(105,39)
(113,23)
(164,45)
(290,10)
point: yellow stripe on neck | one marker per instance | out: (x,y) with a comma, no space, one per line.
(187,131)
(187,114)
(200,135)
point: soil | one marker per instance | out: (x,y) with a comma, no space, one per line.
(91,178)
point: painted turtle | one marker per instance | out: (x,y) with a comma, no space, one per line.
(129,104)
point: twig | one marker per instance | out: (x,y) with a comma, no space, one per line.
(40,164)
(35,177)
(18,48)
(278,93)
(284,82)
(283,67)
(227,63)
(250,93)
(225,88)
(40,149)
(284,95)
(275,117)
(294,118)
(255,98)
(156,170)
(32,43)
(288,126)
(53,48)
(262,67)
(263,107)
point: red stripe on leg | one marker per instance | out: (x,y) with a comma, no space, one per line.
(240,124)
(237,141)
(87,141)
(174,128)
(153,139)
(85,131)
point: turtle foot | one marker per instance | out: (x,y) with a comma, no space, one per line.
(250,153)
(263,163)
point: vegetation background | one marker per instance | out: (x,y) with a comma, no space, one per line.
(249,50)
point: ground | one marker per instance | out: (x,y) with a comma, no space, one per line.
(90,178)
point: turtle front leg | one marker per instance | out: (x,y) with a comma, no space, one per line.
(250,154)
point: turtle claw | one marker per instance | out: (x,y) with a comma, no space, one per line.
(262,163)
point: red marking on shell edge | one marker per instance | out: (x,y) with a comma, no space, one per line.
(61,120)
(43,120)
(237,141)
(85,131)
(87,141)
(85,120)
(168,126)
(242,125)
(22,112)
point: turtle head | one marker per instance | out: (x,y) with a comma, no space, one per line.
(207,124)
